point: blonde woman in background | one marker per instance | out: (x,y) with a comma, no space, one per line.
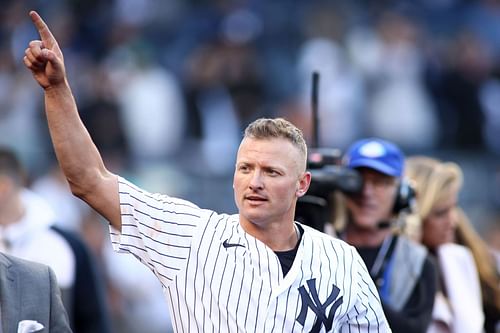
(458,304)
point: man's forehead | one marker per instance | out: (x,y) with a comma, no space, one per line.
(371,171)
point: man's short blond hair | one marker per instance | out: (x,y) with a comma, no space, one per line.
(268,128)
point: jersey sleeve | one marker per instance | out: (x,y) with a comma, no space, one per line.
(156,229)
(366,315)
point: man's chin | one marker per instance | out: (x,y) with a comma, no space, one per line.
(366,224)
(253,217)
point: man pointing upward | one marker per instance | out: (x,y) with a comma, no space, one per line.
(255,271)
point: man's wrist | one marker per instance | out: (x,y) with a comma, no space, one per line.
(57,88)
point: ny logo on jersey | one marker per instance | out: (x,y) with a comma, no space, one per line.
(311,301)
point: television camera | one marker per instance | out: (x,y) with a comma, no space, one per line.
(328,176)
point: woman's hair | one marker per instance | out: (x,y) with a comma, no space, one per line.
(432,180)
(489,277)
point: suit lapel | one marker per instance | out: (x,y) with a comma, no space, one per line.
(10,295)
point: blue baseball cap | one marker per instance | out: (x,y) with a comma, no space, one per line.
(377,154)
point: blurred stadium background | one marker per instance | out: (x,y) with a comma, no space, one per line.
(166,87)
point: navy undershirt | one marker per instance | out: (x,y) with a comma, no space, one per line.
(286,258)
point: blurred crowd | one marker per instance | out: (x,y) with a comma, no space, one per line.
(166,87)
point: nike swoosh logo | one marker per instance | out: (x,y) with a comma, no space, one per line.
(226,244)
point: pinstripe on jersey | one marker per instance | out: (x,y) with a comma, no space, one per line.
(213,288)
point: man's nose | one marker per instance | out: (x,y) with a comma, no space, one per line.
(256,181)
(368,187)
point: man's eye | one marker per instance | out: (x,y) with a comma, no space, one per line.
(273,173)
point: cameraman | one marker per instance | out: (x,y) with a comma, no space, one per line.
(402,270)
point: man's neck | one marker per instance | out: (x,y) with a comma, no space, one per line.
(365,237)
(279,236)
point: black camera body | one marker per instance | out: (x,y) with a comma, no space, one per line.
(328,175)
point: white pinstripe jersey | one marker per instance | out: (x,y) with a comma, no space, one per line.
(218,278)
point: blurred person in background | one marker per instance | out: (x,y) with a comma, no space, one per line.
(402,269)
(390,57)
(133,306)
(28,231)
(54,188)
(458,306)
(30,300)
(461,94)
(341,86)
(224,89)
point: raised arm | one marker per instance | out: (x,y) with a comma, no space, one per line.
(78,156)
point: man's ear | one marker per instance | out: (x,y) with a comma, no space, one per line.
(303,184)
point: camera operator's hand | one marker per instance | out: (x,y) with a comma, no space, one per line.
(44,57)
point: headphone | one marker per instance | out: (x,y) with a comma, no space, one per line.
(405,197)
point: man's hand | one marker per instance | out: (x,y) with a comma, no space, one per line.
(44,57)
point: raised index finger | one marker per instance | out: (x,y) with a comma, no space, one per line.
(45,34)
